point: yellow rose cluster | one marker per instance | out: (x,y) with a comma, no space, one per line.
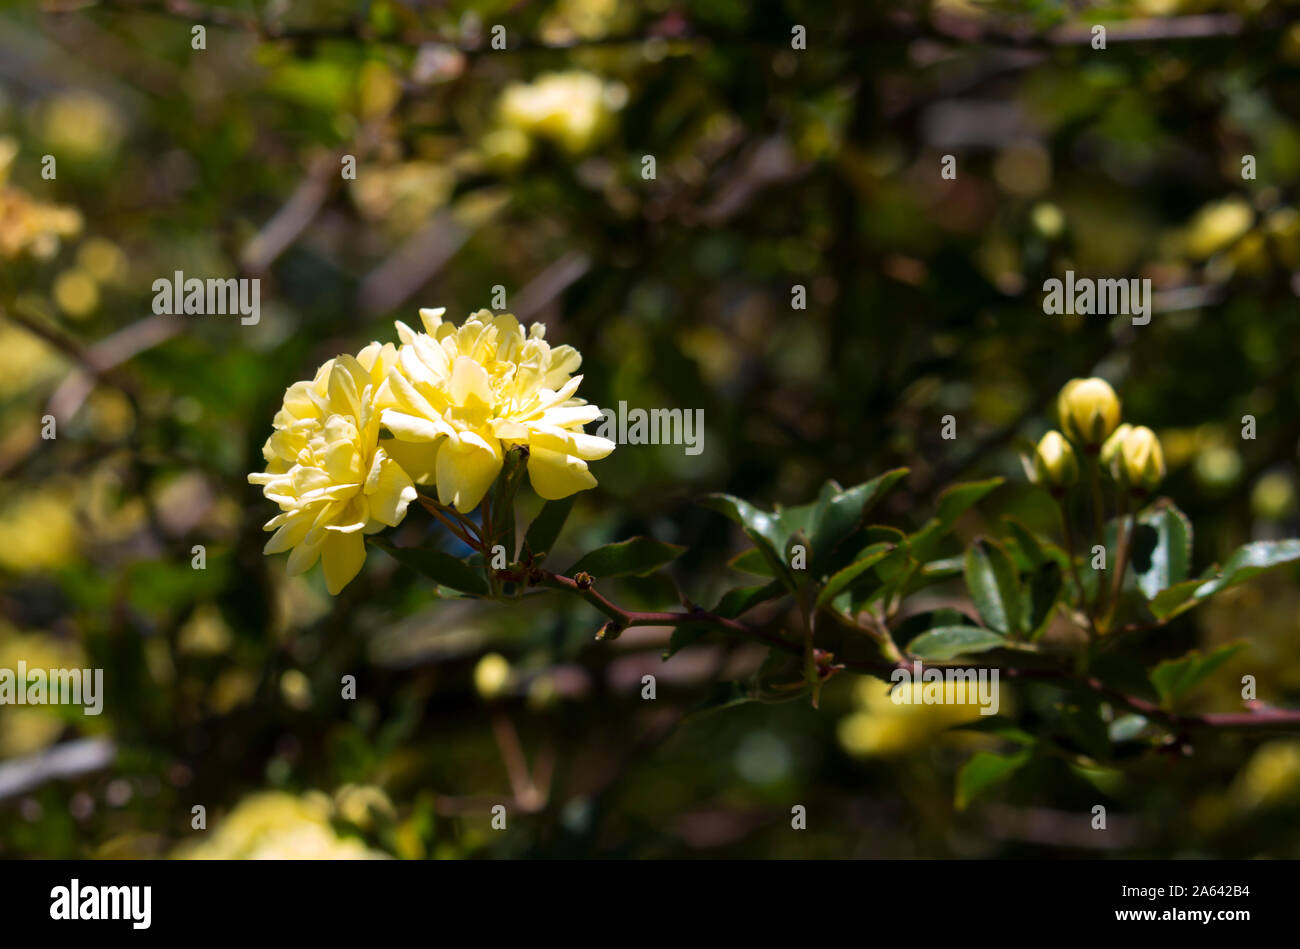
(1090,417)
(441,409)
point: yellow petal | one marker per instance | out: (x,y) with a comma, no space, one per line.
(412,428)
(342,556)
(304,556)
(555,475)
(418,459)
(290,534)
(343,395)
(389,490)
(467,466)
(469,383)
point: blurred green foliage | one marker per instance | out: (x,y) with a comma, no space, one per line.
(522,168)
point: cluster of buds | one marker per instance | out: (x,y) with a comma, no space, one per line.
(1090,416)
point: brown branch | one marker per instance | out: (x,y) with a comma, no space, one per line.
(1261,718)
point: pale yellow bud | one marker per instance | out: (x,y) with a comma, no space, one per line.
(1055,464)
(1089,410)
(1143,461)
(1110,451)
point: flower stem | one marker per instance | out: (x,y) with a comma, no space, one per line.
(1099,525)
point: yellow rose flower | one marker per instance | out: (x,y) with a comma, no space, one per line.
(327,468)
(460,397)
(1089,410)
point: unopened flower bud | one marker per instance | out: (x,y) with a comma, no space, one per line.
(1142,459)
(1110,451)
(1055,465)
(1089,410)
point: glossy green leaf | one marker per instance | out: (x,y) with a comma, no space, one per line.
(762,528)
(994,585)
(841,580)
(629,558)
(953,503)
(838,515)
(765,525)
(1250,561)
(1173,600)
(948,642)
(1246,562)
(1038,597)
(1029,547)
(1162,548)
(438,566)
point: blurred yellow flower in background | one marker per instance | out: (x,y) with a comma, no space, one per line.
(1217,225)
(38,528)
(82,124)
(467,394)
(573,109)
(1270,777)
(27,729)
(273,825)
(28,225)
(26,360)
(327,470)
(883,727)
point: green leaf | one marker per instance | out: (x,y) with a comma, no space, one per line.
(839,515)
(994,585)
(546,526)
(629,558)
(947,642)
(438,566)
(1174,678)
(751,561)
(943,569)
(1162,548)
(1246,562)
(1028,545)
(762,528)
(765,525)
(953,503)
(1250,561)
(1038,598)
(985,771)
(800,518)
(742,599)
(841,580)
(1173,600)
